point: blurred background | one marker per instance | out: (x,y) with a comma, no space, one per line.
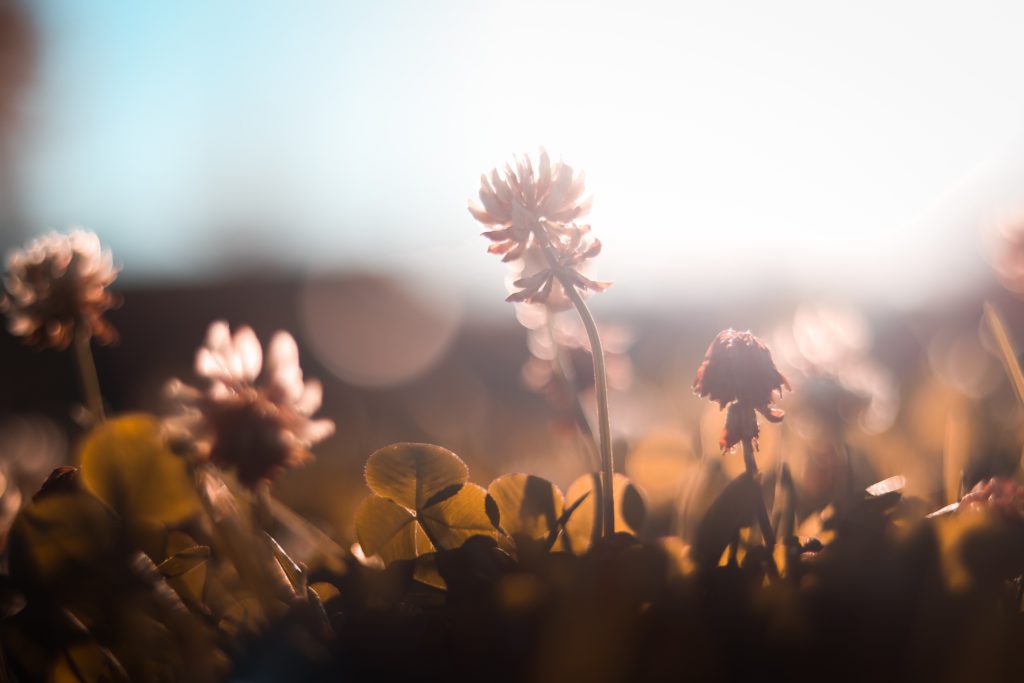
(848,183)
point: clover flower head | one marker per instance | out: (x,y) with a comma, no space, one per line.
(57,287)
(513,204)
(530,217)
(738,372)
(257,429)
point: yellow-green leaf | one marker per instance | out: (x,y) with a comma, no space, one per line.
(425,571)
(185,560)
(185,572)
(526,504)
(325,592)
(629,509)
(127,464)
(57,535)
(414,474)
(386,529)
(459,517)
(85,663)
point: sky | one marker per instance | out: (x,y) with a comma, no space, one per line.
(857,150)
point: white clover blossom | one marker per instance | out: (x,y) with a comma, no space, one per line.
(530,214)
(56,288)
(257,429)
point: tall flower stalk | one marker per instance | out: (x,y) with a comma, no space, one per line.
(55,296)
(739,374)
(530,214)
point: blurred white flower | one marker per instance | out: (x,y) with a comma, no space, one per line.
(56,288)
(256,429)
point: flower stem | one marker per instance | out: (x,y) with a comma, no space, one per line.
(90,380)
(600,379)
(603,422)
(762,510)
(564,374)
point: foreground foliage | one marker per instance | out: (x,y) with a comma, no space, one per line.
(113,578)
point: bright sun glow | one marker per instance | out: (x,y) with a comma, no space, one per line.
(722,142)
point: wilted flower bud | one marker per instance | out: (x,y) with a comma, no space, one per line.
(256,430)
(56,288)
(738,372)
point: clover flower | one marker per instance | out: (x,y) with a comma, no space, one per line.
(258,430)
(738,372)
(56,289)
(531,216)
(514,205)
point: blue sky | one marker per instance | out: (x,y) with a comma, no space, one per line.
(859,149)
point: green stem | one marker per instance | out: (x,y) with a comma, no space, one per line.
(90,380)
(762,510)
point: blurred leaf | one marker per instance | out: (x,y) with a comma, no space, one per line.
(630,509)
(699,491)
(897,483)
(526,504)
(184,561)
(57,536)
(413,474)
(128,465)
(85,663)
(296,574)
(178,541)
(733,509)
(562,521)
(980,548)
(425,571)
(185,572)
(455,519)
(386,529)
(325,591)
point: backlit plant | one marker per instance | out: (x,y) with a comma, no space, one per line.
(166,554)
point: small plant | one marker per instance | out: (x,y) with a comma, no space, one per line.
(164,554)
(739,374)
(56,292)
(530,217)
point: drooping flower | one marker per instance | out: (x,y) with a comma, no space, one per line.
(256,429)
(738,372)
(513,205)
(57,288)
